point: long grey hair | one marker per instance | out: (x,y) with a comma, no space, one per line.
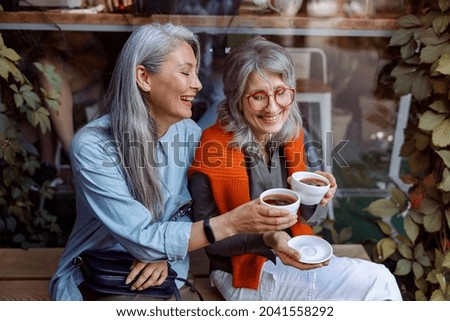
(132,123)
(262,56)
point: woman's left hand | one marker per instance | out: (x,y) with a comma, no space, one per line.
(333,187)
(148,274)
(278,241)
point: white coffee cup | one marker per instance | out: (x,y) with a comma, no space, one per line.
(282,198)
(311,187)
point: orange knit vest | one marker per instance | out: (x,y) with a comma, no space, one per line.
(227,173)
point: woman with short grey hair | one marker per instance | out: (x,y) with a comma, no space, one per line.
(255,145)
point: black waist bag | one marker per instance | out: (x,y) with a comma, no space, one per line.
(106,272)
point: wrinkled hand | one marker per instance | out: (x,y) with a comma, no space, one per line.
(333,187)
(278,241)
(148,274)
(253,218)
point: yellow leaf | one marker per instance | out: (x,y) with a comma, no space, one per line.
(441,134)
(420,296)
(382,208)
(429,206)
(398,197)
(433,222)
(9,54)
(403,267)
(430,120)
(385,248)
(444,64)
(445,155)
(411,228)
(445,184)
(437,295)
(385,228)
(442,282)
(446,262)
(417,270)
(405,251)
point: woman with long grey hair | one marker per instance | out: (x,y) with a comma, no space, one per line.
(130,165)
(259,135)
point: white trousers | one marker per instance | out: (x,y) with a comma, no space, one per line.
(343,279)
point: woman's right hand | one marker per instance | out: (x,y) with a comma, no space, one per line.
(253,218)
(249,218)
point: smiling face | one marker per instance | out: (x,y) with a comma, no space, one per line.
(173,88)
(271,119)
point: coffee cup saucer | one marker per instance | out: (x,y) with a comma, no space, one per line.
(312,249)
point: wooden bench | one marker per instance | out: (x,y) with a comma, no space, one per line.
(24,274)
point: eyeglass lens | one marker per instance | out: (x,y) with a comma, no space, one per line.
(283,97)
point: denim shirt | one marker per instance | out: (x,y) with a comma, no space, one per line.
(110,217)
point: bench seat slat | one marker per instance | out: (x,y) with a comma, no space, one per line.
(24,274)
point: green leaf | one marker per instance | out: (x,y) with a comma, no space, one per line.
(40,118)
(419,250)
(424,260)
(444,64)
(429,206)
(401,37)
(444,5)
(408,21)
(405,251)
(417,270)
(430,120)
(403,83)
(18,100)
(421,87)
(430,54)
(440,23)
(411,228)
(433,222)
(426,19)
(401,70)
(31,98)
(429,37)
(382,208)
(403,267)
(408,50)
(384,227)
(385,248)
(398,197)
(441,134)
(415,216)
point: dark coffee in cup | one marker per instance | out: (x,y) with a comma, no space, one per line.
(313,181)
(279,199)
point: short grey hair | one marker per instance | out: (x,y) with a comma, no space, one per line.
(262,56)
